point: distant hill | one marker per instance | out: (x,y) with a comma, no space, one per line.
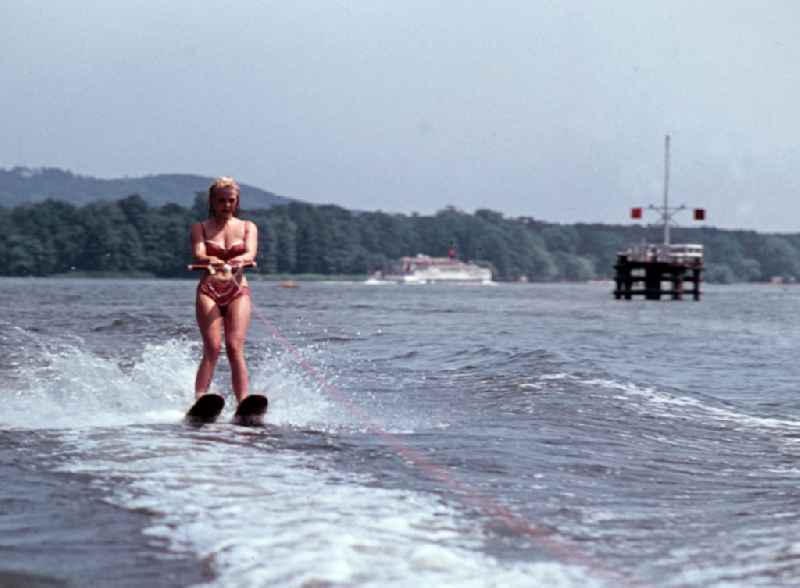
(21,184)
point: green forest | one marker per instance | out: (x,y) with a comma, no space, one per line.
(129,236)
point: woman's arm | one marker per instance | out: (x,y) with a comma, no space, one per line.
(199,247)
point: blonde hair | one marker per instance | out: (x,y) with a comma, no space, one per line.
(219,184)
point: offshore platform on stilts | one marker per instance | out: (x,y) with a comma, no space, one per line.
(663,269)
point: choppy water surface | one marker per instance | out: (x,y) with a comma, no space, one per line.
(537,435)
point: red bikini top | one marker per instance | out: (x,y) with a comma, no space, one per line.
(222,252)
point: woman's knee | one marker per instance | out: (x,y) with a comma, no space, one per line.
(234,346)
(212,349)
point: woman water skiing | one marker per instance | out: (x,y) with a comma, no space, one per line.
(227,245)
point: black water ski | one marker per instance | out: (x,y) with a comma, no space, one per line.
(251,410)
(205,410)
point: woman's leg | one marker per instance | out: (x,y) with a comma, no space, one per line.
(209,320)
(237,321)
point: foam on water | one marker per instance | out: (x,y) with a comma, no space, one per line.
(670,405)
(280,519)
(651,401)
(295,398)
(257,513)
(65,386)
(68,387)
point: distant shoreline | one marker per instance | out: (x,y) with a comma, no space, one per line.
(82,275)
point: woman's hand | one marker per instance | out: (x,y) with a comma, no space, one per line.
(211,264)
(239,263)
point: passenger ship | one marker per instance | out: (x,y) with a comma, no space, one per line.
(424,269)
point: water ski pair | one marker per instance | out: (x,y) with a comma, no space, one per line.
(249,413)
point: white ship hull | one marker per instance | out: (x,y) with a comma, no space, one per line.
(474,275)
(423,269)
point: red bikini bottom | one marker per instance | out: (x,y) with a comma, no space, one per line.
(222,292)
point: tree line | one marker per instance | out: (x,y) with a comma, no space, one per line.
(129,236)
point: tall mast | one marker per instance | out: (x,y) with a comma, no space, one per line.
(665,210)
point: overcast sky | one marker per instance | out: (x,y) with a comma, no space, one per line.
(555,110)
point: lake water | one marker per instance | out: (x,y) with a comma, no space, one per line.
(517,435)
